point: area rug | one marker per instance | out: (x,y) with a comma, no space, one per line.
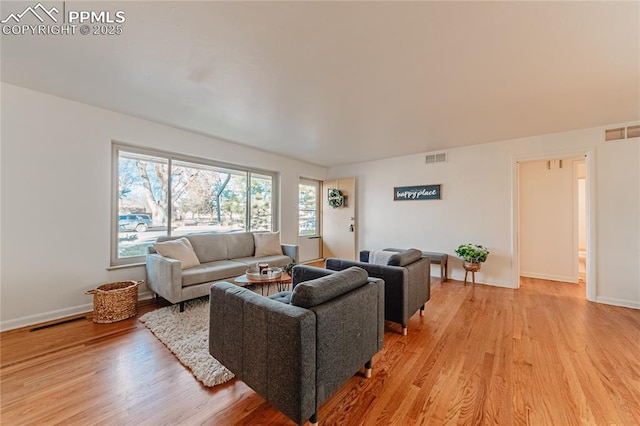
(186,334)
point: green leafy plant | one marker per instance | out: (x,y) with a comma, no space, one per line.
(473,253)
(288,268)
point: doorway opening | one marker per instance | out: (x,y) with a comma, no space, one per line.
(581,188)
(552,220)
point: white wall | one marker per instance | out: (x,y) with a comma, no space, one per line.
(473,184)
(618,233)
(56,198)
(547,223)
(582,214)
(477,206)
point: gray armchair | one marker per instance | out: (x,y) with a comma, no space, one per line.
(407,278)
(297,348)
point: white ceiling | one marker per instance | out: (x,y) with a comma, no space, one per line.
(340,82)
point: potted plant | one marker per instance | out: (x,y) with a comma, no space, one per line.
(473,255)
(288,268)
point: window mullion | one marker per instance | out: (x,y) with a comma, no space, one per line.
(248,202)
(169,195)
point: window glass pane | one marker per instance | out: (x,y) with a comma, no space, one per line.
(307,223)
(142,202)
(307,206)
(261,203)
(207,199)
(307,197)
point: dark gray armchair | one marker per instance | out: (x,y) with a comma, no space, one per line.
(297,348)
(407,278)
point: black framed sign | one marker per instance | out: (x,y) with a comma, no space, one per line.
(420,192)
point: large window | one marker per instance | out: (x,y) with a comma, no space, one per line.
(308,191)
(160,194)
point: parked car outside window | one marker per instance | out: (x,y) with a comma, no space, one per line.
(134,222)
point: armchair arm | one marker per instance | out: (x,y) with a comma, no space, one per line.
(390,274)
(164,276)
(269,345)
(396,285)
(291,250)
(419,274)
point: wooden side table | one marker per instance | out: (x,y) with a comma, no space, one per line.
(281,282)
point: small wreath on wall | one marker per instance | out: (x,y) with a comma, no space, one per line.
(336,199)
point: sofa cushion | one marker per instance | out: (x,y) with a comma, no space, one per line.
(209,247)
(267,244)
(405,257)
(239,244)
(213,271)
(280,260)
(314,292)
(179,249)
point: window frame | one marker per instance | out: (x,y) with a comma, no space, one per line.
(318,186)
(117,147)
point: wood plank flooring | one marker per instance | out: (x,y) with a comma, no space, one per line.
(540,355)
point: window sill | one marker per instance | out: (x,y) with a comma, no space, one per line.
(130,265)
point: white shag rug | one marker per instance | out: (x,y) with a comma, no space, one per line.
(186,334)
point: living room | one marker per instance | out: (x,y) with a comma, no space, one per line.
(57,162)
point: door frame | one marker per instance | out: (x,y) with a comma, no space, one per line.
(590,191)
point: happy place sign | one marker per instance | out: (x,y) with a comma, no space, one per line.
(422,192)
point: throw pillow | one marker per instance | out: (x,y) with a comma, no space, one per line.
(267,244)
(179,249)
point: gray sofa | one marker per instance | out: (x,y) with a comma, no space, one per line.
(297,348)
(222,257)
(407,278)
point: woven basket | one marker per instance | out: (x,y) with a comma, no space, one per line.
(115,301)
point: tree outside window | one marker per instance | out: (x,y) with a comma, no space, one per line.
(158,195)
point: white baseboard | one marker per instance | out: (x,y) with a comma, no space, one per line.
(55,315)
(549,277)
(145,295)
(455,276)
(503,285)
(45,317)
(618,302)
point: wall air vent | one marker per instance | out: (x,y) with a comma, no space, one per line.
(440,157)
(620,133)
(633,132)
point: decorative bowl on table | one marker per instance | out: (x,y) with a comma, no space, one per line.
(267,274)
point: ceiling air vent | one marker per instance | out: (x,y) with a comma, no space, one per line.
(440,157)
(620,133)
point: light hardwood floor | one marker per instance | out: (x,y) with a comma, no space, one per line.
(540,355)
